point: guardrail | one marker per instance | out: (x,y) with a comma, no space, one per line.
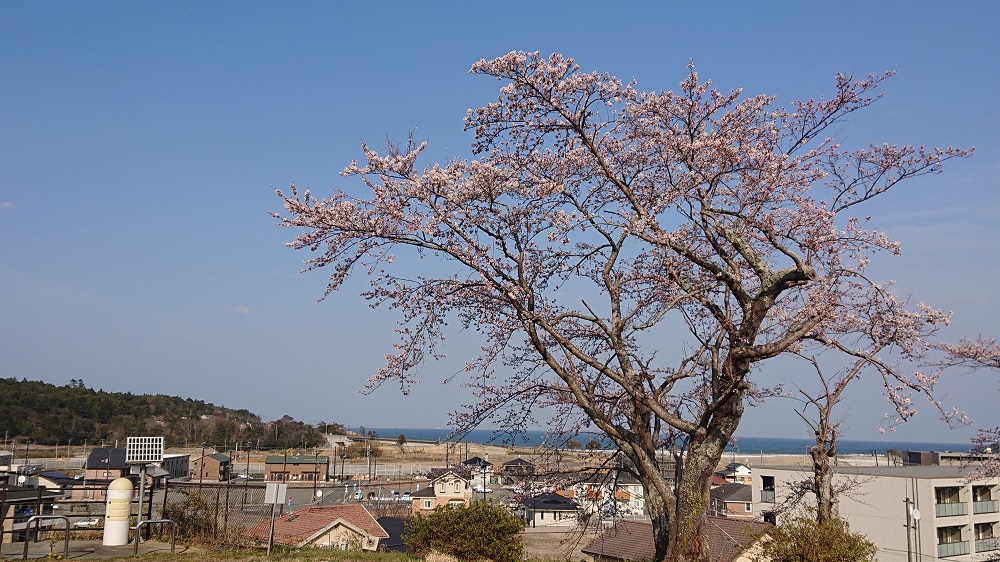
(35,519)
(173,532)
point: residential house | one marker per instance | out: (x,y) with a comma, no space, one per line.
(932,512)
(212,466)
(447,486)
(103,465)
(481,472)
(728,540)
(607,494)
(731,500)
(342,527)
(516,472)
(736,472)
(296,468)
(18,504)
(550,510)
(54,481)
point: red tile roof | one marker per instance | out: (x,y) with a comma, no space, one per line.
(298,527)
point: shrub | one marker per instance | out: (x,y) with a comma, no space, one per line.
(192,515)
(804,540)
(482,531)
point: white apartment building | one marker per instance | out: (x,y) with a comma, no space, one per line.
(910,512)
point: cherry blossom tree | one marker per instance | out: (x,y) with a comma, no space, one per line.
(874,332)
(629,258)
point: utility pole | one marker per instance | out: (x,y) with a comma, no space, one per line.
(912,518)
(316,474)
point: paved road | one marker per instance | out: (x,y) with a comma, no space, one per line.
(84,549)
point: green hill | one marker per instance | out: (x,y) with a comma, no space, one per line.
(50,415)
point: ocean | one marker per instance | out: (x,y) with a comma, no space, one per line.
(743,445)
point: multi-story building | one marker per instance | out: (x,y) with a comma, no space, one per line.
(909,512)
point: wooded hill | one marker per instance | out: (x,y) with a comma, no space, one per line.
(52,415)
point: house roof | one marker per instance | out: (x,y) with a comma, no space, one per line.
(301,527)
(633,540)
(477,463)
(550,502)
(394,527)
(427,492)
(106,457)
(57,477)
(438,473)
(219,457)
(732,492)
(28,494)
(518,462)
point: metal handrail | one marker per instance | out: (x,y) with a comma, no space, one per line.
(173,532)
(34,518)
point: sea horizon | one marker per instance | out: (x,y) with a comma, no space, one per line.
(741,446)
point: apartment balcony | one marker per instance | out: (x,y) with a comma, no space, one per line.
(986,545)
(952,549)
(767,496)
(951,509)
(991,506)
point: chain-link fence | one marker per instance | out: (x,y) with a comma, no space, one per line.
(219,513)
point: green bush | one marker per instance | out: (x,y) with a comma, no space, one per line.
(804,540)
(482,531)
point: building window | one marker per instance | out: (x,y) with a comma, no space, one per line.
(982,493)
(949,535)
(747,507)
(947,495)
(427,504)
(457,487)
(767,489)
(441,487)
(984,531)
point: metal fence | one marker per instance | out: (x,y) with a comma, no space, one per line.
(220,512)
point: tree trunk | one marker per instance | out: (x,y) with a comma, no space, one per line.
(821,454)
(687,538)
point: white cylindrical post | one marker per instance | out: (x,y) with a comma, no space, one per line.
(118,509)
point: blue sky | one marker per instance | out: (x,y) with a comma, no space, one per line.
(139,143)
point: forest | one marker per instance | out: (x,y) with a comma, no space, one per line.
(48,414)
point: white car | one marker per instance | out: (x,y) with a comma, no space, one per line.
(87,523)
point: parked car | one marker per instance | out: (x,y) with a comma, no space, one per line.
(87,523)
